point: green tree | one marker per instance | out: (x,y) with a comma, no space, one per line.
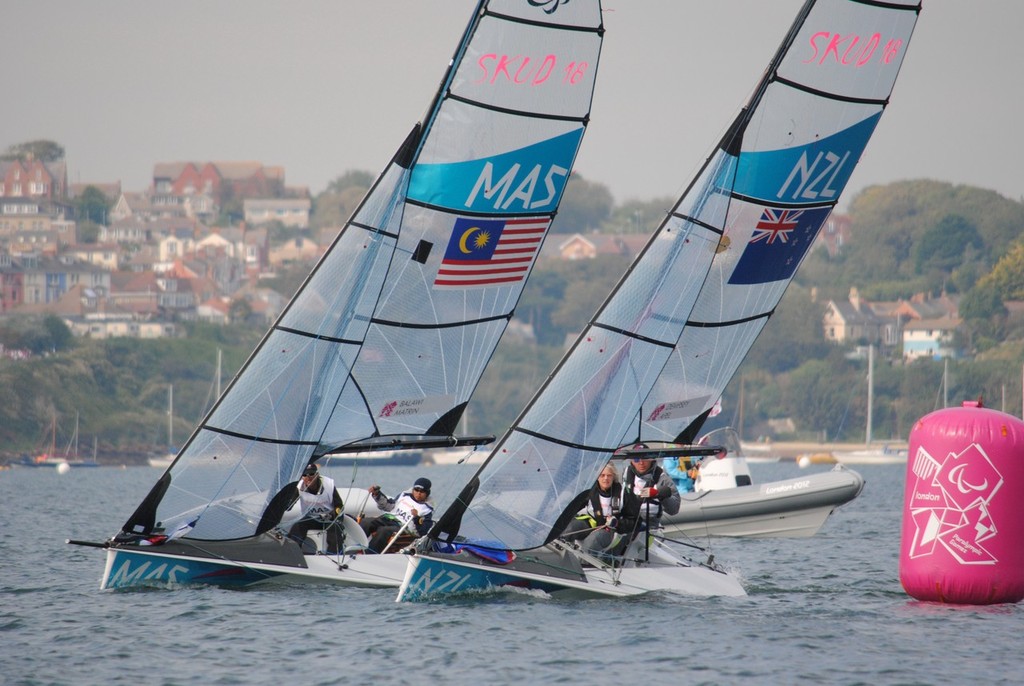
(584,207)
(1007,276)
(984,315)
(335,205)
(822,396)
(942,246)
(58,333)
(42,150)
(239,311)
(92,205)
(542,295)
(88,232)
(792,335)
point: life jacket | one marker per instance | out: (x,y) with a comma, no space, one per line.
(632,484)
(403,507)
(318,506)
(601,507)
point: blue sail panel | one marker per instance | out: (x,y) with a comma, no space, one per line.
(810,173)
(530,179)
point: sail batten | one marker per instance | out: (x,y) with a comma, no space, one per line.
(392,330)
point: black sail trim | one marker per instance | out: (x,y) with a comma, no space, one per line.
(830,96)
(441,325)
(584,120)
(634,336)
(731,322)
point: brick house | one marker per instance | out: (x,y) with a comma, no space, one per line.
(31,178)
(219,180)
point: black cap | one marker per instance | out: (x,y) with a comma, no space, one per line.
(422,483)
(310,470)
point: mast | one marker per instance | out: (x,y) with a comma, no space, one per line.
(871,388)
(945,382)
(739,423)
(170,416)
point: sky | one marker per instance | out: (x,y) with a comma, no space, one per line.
(321,87)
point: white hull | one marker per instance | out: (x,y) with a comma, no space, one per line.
(454,456)
(161,462)
(884,455)
(789,508)
(564,572)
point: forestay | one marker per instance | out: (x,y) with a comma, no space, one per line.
(391,332)
(663,347)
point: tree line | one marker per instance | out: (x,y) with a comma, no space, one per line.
(899,247)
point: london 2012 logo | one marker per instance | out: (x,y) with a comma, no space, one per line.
(951,502)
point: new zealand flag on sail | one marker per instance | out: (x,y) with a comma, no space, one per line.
(779,241)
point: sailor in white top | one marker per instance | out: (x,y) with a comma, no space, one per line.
(409,512)
(321,504)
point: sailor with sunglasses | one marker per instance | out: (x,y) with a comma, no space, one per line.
(409,512)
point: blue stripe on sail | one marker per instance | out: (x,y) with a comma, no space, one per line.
(811,173)
(530,179)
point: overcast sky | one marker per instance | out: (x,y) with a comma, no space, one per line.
(323,86)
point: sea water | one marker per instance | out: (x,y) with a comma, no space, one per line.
(827,609)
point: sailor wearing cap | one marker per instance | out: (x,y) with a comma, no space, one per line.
(409,512)
(321,504)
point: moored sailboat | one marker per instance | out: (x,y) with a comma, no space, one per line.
(61,461)
(655,359)
(164,461)
(383,345)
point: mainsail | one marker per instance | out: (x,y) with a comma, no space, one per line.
(664,345)
(387,339)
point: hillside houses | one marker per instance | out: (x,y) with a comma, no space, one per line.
(33,178)
(158,259)
(586,247)
(920,327)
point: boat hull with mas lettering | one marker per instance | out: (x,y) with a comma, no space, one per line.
(269,558)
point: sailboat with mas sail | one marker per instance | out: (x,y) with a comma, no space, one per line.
(386,340)
(656,358)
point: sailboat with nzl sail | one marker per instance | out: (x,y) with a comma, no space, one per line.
(383,345)
(644,375)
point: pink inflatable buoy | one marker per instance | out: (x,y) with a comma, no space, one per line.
(963,508)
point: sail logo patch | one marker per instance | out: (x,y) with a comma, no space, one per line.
(679,408)
(490,252)
(416,406)
(778,242)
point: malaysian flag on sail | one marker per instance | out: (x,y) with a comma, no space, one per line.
(778,243)
(489,252)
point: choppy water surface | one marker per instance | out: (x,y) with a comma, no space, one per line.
(827,609)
